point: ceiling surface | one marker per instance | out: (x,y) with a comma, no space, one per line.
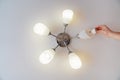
(20,47)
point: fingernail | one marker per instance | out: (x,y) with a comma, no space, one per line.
(98,28)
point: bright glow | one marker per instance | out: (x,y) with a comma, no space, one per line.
(67,16)
(74,61)
(93,31)
(46,56)
(41,29)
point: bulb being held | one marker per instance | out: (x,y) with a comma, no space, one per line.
(87,34)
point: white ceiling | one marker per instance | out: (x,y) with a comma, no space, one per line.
(20,47)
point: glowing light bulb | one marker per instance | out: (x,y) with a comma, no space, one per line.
(41,29)
(67,16)
(46,56)
(74,61)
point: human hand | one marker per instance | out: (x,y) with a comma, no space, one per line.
(104,30)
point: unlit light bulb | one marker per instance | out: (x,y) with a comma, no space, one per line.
(74,61)
(41,29)
(67,16)
(46,56)
(87,34)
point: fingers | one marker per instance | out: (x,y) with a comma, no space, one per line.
(103,29)
(98,31)
(98,28)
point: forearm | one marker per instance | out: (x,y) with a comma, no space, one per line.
(115,35)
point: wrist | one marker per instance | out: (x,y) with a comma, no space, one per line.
(111,34)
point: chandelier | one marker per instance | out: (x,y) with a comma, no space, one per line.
(63,40)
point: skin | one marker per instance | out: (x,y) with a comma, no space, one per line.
(106,31)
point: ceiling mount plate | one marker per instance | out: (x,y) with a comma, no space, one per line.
(63,39)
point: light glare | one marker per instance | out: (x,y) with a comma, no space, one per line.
(74,61)
(67,16)
(46,56)
(41,29)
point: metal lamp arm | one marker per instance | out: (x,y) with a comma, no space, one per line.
(67,48)
(52,34)
(65,27)
(56,47)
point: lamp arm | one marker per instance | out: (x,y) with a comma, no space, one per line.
(65,27)
(55,47)
(52,34)
(69,51)
(76,36)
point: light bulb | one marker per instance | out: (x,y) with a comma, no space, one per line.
(46,56)
(74,61)
(41,29)
(67,16)
(87,34)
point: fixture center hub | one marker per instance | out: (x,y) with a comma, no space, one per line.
(63,39)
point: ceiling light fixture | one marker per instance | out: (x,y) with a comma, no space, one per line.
(63,40)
